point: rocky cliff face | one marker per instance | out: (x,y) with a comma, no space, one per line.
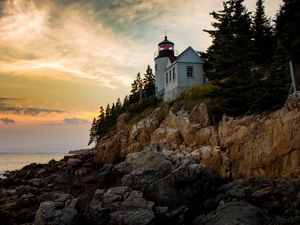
(252,146)
(151,187)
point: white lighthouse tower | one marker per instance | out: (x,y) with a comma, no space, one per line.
(165,53)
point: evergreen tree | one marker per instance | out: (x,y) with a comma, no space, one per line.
(287,30)
(125,102)
(219,53)
(230,59)
(149,82)
(93,132)
(262,36)
(100,124)
(287,34)
(107,111)
(136,89)
(118,106)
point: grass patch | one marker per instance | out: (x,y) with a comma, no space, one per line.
(192,97)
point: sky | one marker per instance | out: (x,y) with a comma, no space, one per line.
(60,60)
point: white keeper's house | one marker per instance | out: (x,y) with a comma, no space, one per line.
(175,74)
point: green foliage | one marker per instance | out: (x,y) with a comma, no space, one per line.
(194,96)
(139,107)
(141,97)
(148,83)
(263,38)
(247,76)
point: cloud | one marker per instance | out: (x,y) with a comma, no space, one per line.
(75,121)
(9,99)
(64,36)
(37,111)
(27,111)
(96,40)
(7,120)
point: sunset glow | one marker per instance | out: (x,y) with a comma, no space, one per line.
(60,60)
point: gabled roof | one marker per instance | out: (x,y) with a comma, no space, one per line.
(185,51)
(176,59)
(172,59)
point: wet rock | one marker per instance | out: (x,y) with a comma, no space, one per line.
(26,199)
(73,161)
(45,213)
(234,213)
(135,200)
(49,214)
(165,181)
(25,189)
(136,217)
(115,194)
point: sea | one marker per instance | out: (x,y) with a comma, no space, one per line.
(16,161)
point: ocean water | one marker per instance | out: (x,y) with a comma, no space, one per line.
(15,161)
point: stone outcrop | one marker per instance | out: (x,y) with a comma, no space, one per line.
(151,187)
(265,145)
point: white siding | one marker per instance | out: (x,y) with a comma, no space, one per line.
(189,55)
(160,65)
(169,91)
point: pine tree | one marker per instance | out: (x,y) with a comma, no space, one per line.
(100,124)
(262,36)
(136,89)
(219,53)
(149,82)
(118,106)
(287,34)
(125,102)
(93,132)
(230,59)
(107,111)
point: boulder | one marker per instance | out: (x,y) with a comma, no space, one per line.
(234,213)
(134,217)
(115,194)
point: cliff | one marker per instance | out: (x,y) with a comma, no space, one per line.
(265,145)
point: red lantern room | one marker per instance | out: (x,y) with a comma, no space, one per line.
(166,48)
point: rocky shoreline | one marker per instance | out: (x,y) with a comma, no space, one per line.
(151,187)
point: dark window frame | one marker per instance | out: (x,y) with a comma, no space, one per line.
(190,71)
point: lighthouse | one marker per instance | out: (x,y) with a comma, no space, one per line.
(165,53)
(175,74)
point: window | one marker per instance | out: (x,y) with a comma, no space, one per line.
(167,78)
(190,71)
(170,76)
(174,75)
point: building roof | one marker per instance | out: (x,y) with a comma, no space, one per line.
(175,59)
(166,41)
(172,59)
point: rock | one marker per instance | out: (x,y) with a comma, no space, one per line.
(73,203)
(263,145)
(199,115)
(73,161)
(27,199)
(67,216)
(48,214)
(116,146)
(267,145)
(167,183)
(262,192)
(45,213)
(25,189)
(136,217)
(37,182)
(135,200)
(115,194)
(234,213)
